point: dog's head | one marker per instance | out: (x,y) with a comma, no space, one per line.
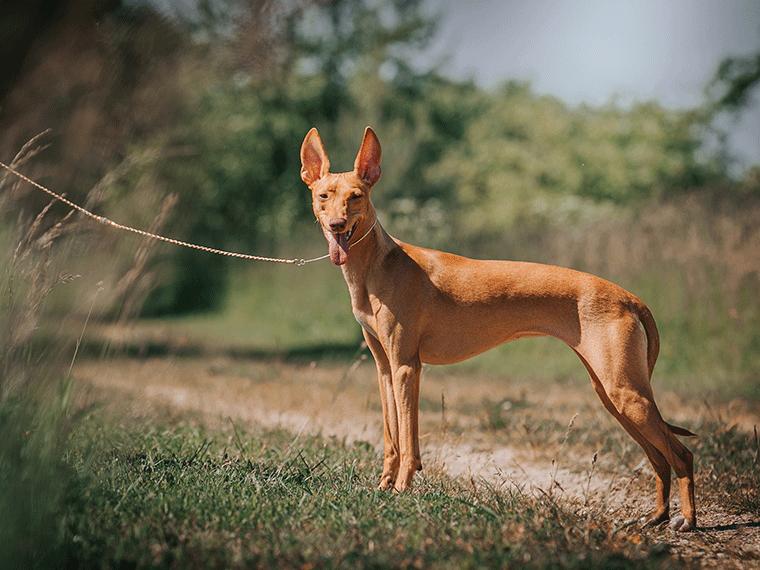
(340,201)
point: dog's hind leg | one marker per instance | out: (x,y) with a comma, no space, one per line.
(641,413)
(660,465)
(621,379)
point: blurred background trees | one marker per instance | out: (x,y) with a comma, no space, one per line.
(210,104)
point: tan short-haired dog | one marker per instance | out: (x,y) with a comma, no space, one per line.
(417,305)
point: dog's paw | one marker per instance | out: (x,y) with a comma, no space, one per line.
(386,483)
(680,524)
(654,520)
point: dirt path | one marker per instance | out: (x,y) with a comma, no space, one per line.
(484,431)
(344,402)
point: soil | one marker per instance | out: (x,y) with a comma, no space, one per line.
(539,437)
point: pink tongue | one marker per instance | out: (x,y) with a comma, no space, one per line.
(338,248)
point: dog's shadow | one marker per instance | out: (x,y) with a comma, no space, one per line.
(727,527)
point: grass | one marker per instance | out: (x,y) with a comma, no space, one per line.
(90,489)
(729,465)
(35,482)
(276,308)
(163,496)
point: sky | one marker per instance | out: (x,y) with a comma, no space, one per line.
(593,51)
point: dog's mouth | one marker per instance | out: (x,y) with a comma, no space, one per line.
(339,244)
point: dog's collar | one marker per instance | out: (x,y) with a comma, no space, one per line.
(365,235)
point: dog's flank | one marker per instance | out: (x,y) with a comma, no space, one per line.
(418,305)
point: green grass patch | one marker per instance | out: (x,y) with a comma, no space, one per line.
(107,492)
(544,360)
(36,485)
(708,341)
(184,496)
(276,308)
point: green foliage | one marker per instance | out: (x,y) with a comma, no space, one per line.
(270,310)
(222,102)
(532,159)
(734,80)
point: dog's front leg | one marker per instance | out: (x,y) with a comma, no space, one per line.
(406,392)
(391,458)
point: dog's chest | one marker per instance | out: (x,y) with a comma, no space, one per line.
(361,302)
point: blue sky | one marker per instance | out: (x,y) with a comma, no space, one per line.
(595,50)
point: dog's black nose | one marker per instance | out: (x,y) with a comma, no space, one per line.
(338,224)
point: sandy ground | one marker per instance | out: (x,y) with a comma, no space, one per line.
(343,401)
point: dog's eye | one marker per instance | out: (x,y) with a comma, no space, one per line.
(355,197)
(323,196)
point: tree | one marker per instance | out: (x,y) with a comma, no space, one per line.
(529,158)
(337,65)
(735,80)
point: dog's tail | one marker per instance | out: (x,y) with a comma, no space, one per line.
(681,431)
(653,337)
(653,351)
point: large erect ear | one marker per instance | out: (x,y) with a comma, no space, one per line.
(367,163)
(314,161)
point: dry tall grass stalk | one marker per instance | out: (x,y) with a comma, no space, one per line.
(32,270)
(29,280)
(704,245)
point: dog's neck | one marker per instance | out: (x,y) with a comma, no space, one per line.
(372,245)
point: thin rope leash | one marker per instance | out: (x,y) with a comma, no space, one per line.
(107,222)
